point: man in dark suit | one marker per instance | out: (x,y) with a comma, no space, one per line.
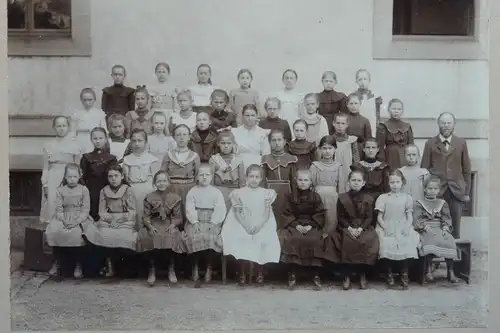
(446,156)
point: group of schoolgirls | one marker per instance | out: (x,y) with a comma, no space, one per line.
(304,185)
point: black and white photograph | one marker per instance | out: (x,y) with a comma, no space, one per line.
(261,164)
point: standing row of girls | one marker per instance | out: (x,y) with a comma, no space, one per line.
(181,208)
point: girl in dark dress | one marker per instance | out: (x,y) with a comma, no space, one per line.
(273,121)
(118,98)
(303,149)
(300,229)
(359,125)
(355,238)
(331,102)
(393,136)
(203,140)
(94,166)
(279,170)
(220,117)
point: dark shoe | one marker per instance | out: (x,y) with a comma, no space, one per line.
(346,284)
(362,281)
(292,281)
(317,282)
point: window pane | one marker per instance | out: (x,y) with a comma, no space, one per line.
(16,14)
(433,17)
(52,14)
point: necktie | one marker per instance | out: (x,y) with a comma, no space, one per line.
(446,144)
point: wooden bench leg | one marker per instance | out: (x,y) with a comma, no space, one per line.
(224,269)
(462,267)
(250,272)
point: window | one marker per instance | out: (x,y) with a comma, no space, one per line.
(430,29)
(433,17)
(25,193)
(48,27)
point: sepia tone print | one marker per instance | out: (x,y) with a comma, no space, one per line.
(248,164)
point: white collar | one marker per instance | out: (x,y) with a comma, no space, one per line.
(442,138)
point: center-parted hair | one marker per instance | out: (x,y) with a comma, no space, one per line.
(106,147)
(399,174)
(249,107)
(395,100)
(72,166)
(181,126)
(116,167)
(88,91)
(159,114)
(328,140)
(432,179)
(362,70)
(275,131)
(220,93)
(300,121)
(54,120)
(141,131)
(372,140)
(161,172)
(164,65)
(293,71)
(116,117)
(329,73)
(254,167)
(207,66)
(247,71)
(272,99)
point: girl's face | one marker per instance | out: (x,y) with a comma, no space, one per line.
(141,100)
(432,190)
(300,131)
(202,121)
(181,137)
(138,142)
(370,149)
(72,176)
(363,80)
(356,181)
(226,145)
(353,105)
(115,178)
(412,155)
(272,109)
(277,142)
(304,180)
(395,183)
(61,127)
(396,110)
(88,100)
(118,128)
(159,123)
(289,80)
(340,124)
(184,102)
(311,105)
(250,117)
(98,139)
(328,83)
(204,176)
(118,75)
(161,182)
(327,151)
(203,75)
(245,80)
(254,178)
(162,74)
(219,103)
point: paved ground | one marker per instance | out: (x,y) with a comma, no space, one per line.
(42,304)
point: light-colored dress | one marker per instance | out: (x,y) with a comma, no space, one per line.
(205,212)
(434,214)
(252,207)
(139,172)
(70,218)
(181,169)
(252,144)
(228,175)
(326,178)
(201,94)
(118,148)
(292,105)
(56,154)
(344,155)
(238,98)
(368,109)
(163,98)
(415,178)
(82,123)
(159,145)
(189,122)
(398,241)
(116,227)
(317,127)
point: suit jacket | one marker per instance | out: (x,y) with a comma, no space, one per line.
(453,167)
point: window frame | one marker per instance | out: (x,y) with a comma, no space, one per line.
(57,44)
(400,47)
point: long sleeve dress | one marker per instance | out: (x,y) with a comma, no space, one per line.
(317,127)
(161,210)
(279,124)
(159,145)
(279,175)
(94,166)
(139,120)
(117,99)
(139,172)
(222,119)
(82,123)
(181,171)
(326,178)
(70,218)
(116,227)
(305,210)
(56,154)
(204,143)
(252,144)
(398,239)
(238,98)
(304,150)
(355,210)
(415,179)
(392,137)
(251,208)
(205,212)
(292,105)
(229,175)
(347,154)
(376,177)
(435,214)
(330,103)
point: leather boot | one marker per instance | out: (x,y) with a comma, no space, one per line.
(362,281)
(77,273)
(171,273)
(152,276)
(110,272)
(451,273)
(292,281)
(346,284)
